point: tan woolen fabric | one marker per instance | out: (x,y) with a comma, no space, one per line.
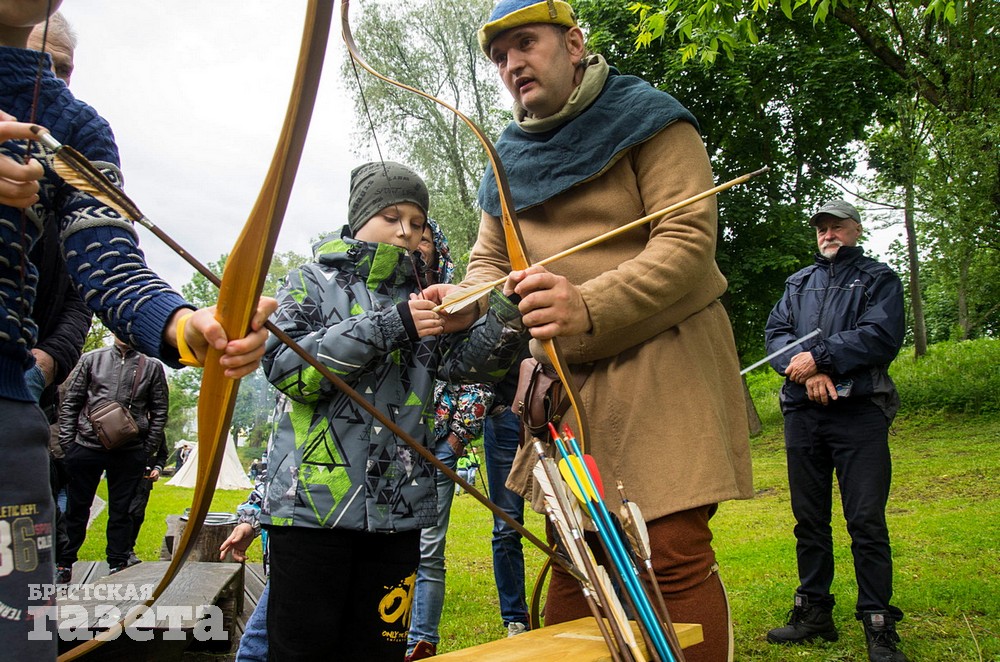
(664,398)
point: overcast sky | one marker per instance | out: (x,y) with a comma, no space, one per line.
(196,93)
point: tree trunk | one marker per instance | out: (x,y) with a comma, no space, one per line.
(963,296)
(916,300)
(206,546)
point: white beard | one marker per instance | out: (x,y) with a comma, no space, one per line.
(830,248)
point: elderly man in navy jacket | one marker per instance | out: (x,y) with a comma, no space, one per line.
(838,402)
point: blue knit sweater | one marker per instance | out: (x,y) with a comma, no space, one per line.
(99,245)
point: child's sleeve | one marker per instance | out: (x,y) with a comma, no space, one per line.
(323,319)
(487,351)
(248,512)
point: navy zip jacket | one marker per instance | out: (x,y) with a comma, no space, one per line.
(857,302)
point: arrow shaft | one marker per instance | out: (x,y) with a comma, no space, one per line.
(619,557)
(791,345)
(617,231)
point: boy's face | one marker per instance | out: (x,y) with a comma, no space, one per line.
(428,252)
(400,225)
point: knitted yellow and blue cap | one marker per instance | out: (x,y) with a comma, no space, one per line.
(509,14)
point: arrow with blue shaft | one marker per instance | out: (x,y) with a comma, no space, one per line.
(649,623)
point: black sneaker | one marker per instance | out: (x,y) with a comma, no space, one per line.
(805,623)
(132,560)
(64,575)
(880,633)
(116,568)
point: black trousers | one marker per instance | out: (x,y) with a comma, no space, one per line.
(849,440)
(124,468)
(58,478)
(137,508)
(340,595)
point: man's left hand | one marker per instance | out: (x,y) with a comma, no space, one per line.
(820,388)
(154,475)
(550,305)
(801,367)
(18,182)
(453,322)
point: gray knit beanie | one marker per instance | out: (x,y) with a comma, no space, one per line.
(376,185)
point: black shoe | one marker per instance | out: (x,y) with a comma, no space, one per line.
(805,623)
(880,633)
(64,575)
(129,562)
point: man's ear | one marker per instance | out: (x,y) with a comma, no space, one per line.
(575,44)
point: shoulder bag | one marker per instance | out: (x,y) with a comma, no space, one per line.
(112,421)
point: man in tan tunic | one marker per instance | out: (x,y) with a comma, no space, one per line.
(590,150)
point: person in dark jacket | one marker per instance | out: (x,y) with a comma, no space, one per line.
(124,375)
(838,402)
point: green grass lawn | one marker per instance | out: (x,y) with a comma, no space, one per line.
(164,501)
(944,518)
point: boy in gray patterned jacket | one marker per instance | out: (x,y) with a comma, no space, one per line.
(345,498)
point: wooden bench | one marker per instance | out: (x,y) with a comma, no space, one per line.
(84,609)
(574,641)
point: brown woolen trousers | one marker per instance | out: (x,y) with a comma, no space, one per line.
(688,578)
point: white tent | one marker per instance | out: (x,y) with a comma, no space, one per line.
(231,473)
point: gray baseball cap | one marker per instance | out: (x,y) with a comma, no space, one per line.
(839,208)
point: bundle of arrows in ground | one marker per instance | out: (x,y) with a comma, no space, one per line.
(573,490)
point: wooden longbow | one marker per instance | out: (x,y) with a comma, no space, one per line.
(239,292)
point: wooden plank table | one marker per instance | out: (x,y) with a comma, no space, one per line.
(176,611)
(573,641)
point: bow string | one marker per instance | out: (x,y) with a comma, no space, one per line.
(517,252)
(80,173)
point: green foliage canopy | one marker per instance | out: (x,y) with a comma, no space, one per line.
(792,102)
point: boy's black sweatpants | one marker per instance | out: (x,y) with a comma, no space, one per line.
(340,595)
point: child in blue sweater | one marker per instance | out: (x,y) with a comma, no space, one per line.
(108,269)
